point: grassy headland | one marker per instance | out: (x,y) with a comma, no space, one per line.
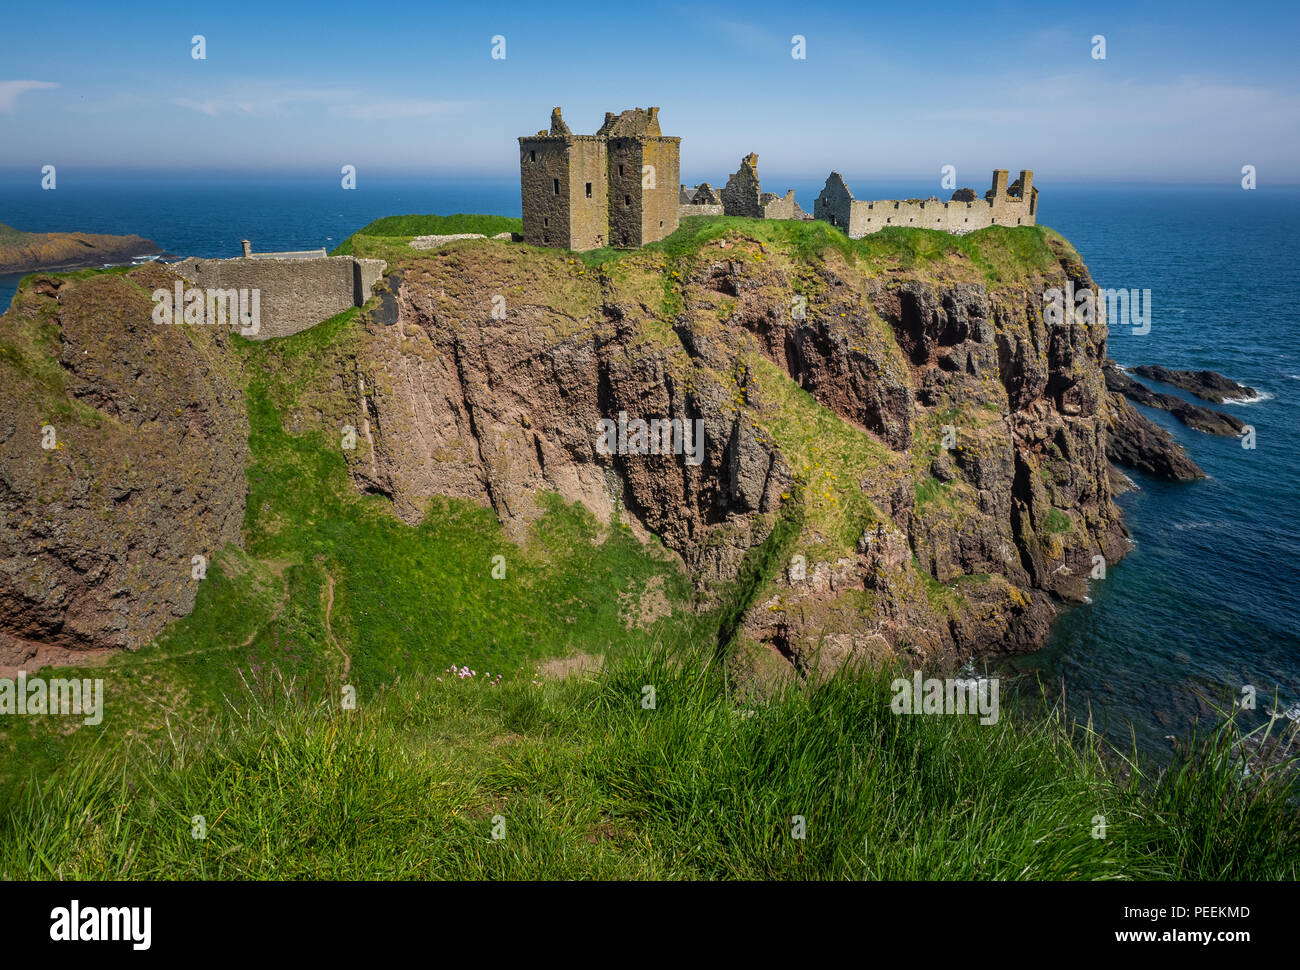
(461,727)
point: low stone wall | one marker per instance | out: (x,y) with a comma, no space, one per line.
(698,210)
(294,294)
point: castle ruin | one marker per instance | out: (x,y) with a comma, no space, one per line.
(1001,206)
(617,187)
(743,196)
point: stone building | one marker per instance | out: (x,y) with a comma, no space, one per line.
(1001,206)
(703,200)
(743,195)
(617,187)
(296,290)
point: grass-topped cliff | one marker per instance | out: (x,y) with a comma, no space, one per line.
(24,251)
(474,525)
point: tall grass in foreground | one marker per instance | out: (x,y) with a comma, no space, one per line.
(583,781)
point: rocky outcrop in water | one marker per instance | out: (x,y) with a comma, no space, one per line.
(1206,384)
(1137,442)
(1193,415)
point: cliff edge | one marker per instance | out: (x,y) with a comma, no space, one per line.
(899,457)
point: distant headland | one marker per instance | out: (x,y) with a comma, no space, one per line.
(21,252)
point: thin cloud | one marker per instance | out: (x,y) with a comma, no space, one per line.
(267,100)
(384,110)
(262,101)
(10,90)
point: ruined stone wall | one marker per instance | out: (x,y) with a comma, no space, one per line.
(366,273)
(837,206)
(293,294)
(699,210)
(659,203)
(780,207)
(544,188)
(742,195)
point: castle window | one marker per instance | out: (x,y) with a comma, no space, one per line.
(557,186)
(589,190)
(532,156)
(546,220)
(661,223)
(546,237)
(628,199)
(620,170)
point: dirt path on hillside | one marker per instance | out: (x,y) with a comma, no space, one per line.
(329,630)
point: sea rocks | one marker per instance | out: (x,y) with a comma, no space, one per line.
(1136,442)
(1193,415)
(1206,384)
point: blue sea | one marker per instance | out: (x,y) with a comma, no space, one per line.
(1208,599)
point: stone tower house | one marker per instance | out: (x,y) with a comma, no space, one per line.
(617,187)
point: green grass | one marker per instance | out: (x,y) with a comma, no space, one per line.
(1000,253)
(827,457)
(398,230)
(406,600)
(589,783)
(928,490)
(1056,521)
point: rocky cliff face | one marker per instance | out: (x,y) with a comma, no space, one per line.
(937,453)
(121,458)
(982,487)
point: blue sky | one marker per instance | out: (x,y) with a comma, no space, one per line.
(1187,92)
